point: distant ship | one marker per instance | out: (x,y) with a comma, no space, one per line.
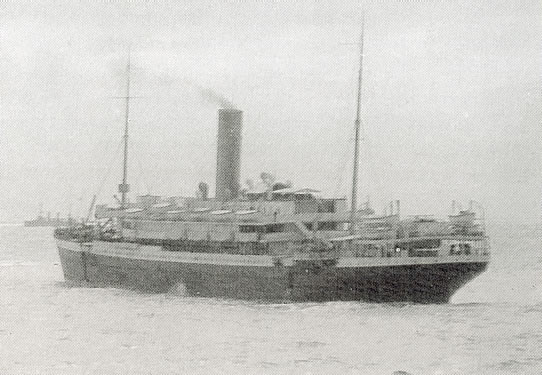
(276,243)
(48,221)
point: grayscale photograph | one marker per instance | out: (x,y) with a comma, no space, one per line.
(271,187)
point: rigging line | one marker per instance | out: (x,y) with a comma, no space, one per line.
(94,152)
(373,169)
(344,161)
(141,174)
(343,165)
(111,163)
(339,182)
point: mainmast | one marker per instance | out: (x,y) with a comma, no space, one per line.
(354,206)
(124,188)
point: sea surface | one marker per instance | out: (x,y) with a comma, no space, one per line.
(492,326)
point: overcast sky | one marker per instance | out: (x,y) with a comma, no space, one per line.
(452,99)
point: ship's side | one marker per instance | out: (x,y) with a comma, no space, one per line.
(273,266)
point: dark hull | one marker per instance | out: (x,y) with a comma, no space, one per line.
(304,281)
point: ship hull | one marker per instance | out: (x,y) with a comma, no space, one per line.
(307,280)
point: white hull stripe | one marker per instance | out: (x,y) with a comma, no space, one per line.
(407,261)
(155,253)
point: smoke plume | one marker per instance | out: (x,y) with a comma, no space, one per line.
(212,96)
(216,98)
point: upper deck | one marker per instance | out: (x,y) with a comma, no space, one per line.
(277,220)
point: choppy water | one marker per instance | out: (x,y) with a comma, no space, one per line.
(492,326)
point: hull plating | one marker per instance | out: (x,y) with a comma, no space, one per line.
(303,281)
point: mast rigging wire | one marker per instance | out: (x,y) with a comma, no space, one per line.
(111,163)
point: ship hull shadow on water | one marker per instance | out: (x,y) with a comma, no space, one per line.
(306,280)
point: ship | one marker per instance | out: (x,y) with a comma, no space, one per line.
(48,221)
(272,243)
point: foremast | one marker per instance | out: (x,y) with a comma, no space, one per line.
(357,123)
(124,187)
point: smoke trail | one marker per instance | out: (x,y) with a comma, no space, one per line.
(212,96)
(216,98)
